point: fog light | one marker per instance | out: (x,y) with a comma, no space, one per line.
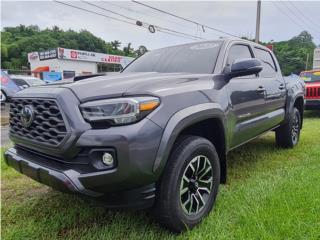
(107,159)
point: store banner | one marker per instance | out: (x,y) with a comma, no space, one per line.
(71,54)
(43,55)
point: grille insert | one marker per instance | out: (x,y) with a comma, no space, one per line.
(48,126)
(312,92)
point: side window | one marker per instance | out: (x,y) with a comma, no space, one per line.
(269,68)
(238,52)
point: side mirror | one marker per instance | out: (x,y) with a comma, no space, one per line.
(243,67)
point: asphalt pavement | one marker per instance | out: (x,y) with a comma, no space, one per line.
(5,136)
(4,125)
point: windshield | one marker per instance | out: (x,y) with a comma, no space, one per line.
(313,76)
(189,58)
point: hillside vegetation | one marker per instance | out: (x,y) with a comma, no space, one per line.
(17,42)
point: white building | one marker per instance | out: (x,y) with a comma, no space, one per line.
(316,58)
(62,63)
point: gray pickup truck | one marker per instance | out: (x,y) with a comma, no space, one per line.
(157,134)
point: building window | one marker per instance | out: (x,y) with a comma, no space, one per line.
(68,74)
(109,67)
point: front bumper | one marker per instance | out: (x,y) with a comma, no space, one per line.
(68,181)
(312,104)
(71,166)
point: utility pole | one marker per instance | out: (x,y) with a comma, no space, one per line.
(306,68)
(258,21)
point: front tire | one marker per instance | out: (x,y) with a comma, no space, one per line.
(189,184)
(287,135)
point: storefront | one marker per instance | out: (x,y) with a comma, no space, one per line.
(62,63)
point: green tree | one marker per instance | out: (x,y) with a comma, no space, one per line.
(115,44)
(292,54)
(129,51)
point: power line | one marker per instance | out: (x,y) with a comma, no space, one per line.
(199,29)
(160,29)
(100,14)
(307,8)
(296,13)
(107,10)
(129,9)
(185,19)
(305,18)
(285,13)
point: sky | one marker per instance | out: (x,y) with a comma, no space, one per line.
(280,20)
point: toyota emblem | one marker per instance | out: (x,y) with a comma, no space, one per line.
(27,115)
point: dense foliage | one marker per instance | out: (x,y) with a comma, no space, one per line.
(17,42)
(294,53)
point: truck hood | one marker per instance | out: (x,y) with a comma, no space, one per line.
(132,83)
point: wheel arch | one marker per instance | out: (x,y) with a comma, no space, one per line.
(294,97)
(299,104)
(195,120)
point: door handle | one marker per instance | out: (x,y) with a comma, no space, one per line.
(261,89)
(281,86)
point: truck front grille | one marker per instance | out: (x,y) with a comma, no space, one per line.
(47,127)
(313,92)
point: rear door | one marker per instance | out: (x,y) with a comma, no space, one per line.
(274,86)
(246,100)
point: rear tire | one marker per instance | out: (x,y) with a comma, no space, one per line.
(189,185)
(287,135)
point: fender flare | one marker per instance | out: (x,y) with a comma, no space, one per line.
(290,103)
(178,122)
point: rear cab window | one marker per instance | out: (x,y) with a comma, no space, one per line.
(269,67)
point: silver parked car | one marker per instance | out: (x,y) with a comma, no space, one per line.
(10,84)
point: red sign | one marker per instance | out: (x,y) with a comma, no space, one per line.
(270,46)
(112,59)
(73,54)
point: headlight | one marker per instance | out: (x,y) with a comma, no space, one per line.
(119,110)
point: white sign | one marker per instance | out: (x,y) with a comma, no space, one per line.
(79,55)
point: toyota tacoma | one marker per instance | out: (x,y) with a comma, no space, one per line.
(158,133)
